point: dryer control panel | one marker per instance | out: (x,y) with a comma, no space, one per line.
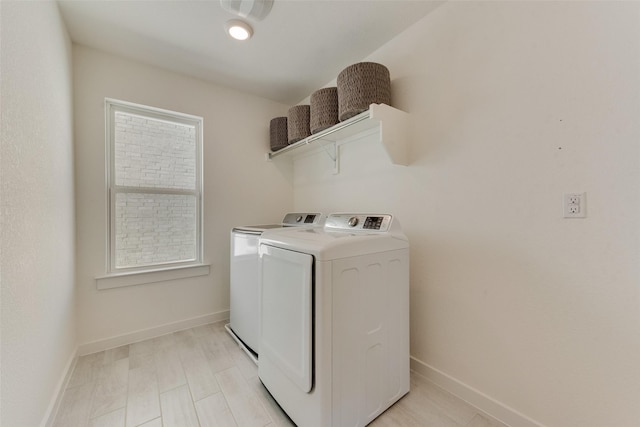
(361,222)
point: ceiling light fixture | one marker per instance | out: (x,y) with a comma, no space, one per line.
(239,30)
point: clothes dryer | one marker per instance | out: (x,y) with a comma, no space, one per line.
(334,319)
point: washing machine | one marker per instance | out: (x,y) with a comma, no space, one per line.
(244,277)
(334,319)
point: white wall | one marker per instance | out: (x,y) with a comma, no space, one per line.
(240,187)
(512,104)
(37,243)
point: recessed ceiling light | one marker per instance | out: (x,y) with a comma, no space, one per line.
(239,30)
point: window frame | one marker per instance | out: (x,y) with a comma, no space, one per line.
(111,107)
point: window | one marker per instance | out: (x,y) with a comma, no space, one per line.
(154,176)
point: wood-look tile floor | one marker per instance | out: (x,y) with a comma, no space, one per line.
(200,377)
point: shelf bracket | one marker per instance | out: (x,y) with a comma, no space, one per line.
(334,156)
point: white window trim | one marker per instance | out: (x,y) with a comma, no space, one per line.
(116,277)
(119,280)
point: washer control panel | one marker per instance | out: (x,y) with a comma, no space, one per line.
(362,222)
(309,219)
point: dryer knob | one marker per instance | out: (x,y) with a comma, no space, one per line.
(299,218)
(353,221)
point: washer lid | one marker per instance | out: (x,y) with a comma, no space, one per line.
(256,229)
(292,219)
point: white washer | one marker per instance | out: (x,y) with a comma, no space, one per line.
(244,277)
(334,319)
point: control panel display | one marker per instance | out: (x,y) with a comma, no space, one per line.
(358,222)
(373,223)
(300,218)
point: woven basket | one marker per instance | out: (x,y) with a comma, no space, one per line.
(298,123)
(360,85)
(324,109)
(278,133)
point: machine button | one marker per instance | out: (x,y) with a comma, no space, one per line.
(353,221)
(299,218)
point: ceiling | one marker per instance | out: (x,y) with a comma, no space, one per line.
(299,47)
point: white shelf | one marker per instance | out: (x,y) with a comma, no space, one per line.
(391,122)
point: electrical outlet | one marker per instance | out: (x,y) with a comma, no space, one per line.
(574,205)
(573,199)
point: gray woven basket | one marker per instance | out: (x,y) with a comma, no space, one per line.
(360,85)
(298,123)
(324,109)
(278,133)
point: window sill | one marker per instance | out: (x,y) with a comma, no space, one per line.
(119,280)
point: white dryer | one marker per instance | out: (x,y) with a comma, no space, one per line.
(334,319)
(244,277)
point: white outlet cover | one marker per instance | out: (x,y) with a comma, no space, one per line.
(574,205)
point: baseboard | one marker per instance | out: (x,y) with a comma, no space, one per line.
(485,403)
(54,405)
(144,334)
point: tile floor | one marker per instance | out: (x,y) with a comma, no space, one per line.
(200,377)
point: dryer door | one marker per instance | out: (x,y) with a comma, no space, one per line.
(286,314)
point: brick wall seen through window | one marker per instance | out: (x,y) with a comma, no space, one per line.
(154,188)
